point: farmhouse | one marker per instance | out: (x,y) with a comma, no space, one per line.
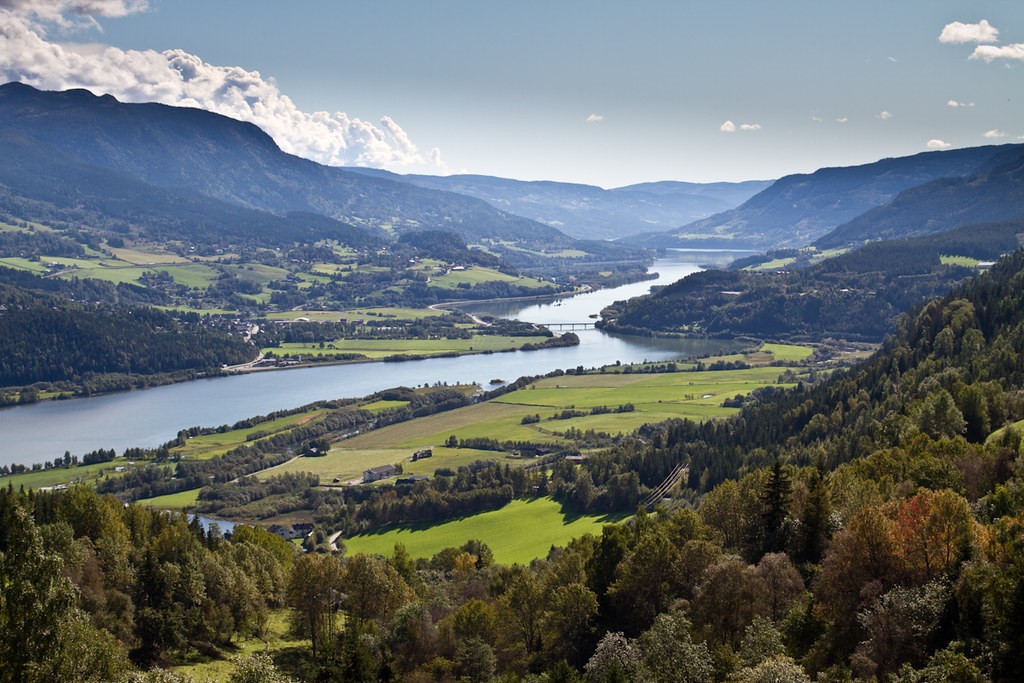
(378,473)
(534,451)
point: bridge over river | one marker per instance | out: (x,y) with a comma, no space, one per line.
(561,327)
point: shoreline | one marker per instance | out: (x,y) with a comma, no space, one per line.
(149,381)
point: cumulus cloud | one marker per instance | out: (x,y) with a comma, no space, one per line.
(958,32)
(994,134)
(884,115)
(955,104)
(935,143)
(993,52)
(178,78)
(595,118)
(730,127)
(65,12)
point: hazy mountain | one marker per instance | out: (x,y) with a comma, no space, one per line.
(995,193)
(798,209)
(590,212)
(191,149)
(41,183)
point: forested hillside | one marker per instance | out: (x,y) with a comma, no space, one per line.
(46,339)
(855,296)
(869,525)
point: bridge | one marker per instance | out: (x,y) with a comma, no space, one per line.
(586,325)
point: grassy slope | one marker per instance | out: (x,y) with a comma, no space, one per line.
(517,533)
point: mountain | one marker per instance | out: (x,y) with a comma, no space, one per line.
(589,212)
(41,183)
(995,193)
(798,209)
(223,159)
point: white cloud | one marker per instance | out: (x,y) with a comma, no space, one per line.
(955,104)
(595,118)
(992,52)
(892,59)
(935,143)
(178,78)
(885,116)
(62,12)
(730,127)
(842,119)
(957,32)
(994,134)
(817,119)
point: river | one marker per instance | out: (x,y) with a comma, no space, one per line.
(149,417)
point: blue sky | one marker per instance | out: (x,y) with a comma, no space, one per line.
(607,93)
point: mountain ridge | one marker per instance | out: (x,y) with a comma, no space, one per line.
(798,209)
(179,147)
(588,211)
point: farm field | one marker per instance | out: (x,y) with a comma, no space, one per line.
(57,476)
(389,312)
(476,275)
(172,501)
(965,261)
(378,349)
(209,445)
(342,465)
(694,395)
(787,352)
(517,533)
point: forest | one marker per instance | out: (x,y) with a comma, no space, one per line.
(857,296)
(865,527)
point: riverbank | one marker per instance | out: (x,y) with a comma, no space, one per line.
(152,416)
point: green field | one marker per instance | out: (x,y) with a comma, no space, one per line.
(657,397)
(344,464)
(377,349)
(145,258)
(172,501)
(475,275)
(210,445)
(518,533)
(23,264)
(359,314)
(964,261)
(788,352)
(774,265)
(80,474)
(259,273)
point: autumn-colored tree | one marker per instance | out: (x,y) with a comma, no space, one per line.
(935,532)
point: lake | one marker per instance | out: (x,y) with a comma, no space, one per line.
(149,417)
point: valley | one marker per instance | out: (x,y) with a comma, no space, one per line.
(272,419)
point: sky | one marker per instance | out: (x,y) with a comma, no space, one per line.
(590,91)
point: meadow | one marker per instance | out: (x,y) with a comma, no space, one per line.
(518,533)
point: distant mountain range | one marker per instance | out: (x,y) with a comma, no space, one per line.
(799,209)
(587,211)
(994,193)
(198,157)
